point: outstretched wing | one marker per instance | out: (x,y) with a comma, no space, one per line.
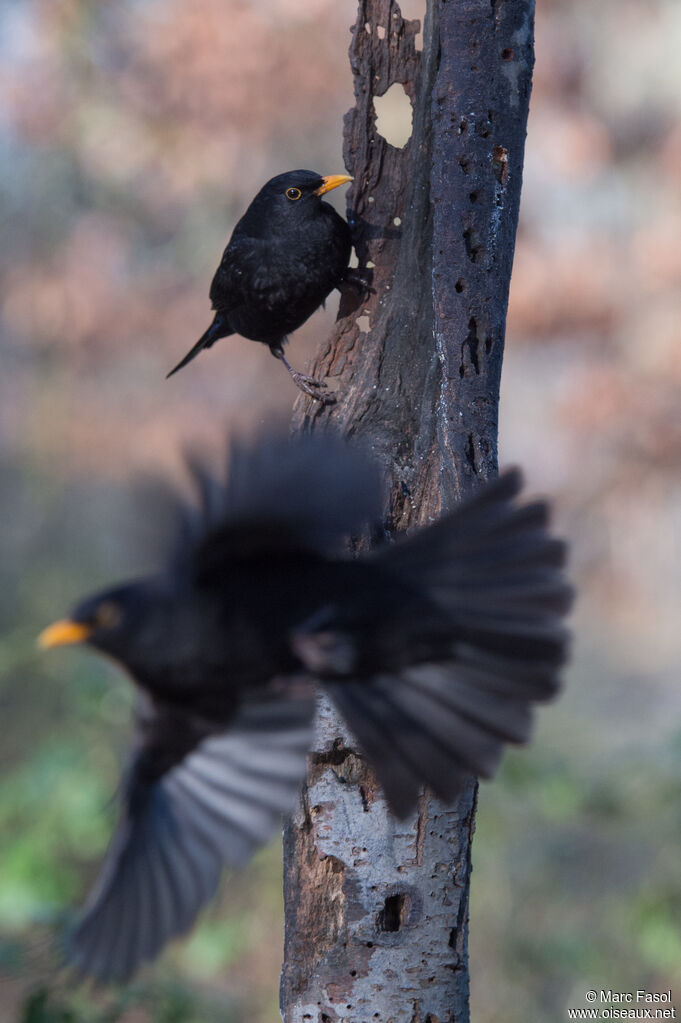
(214,805)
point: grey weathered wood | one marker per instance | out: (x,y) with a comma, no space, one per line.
(376,910)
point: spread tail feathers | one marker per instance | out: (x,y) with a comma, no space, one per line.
(217,329)
(489,641)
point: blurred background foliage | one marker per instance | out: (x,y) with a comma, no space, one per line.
(132,134)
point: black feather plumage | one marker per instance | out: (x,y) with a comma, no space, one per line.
(286,255)
(434,648)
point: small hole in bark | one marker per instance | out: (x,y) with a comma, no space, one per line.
(507,54)
(463,126)
(500,164)
(473,245)
(469,452)
(471,343)
(370,944)
(394,116)
(473,196)
(452,938)
(465,164)
(394,913)
(323,1018)
(460,285)
(353,973)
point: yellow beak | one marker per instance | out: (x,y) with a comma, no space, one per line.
(63,633)
(332,181)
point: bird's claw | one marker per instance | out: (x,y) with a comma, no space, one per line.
(314,388)
(357,281)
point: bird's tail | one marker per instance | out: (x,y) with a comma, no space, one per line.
(489,640)
(217,329)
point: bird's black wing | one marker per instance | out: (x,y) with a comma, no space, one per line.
(474,637)
(254,270)
(284,496)
(212,805)
(227,287)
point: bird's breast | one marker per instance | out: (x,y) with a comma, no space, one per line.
(285,281)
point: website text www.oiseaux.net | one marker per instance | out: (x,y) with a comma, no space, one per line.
(605,1005)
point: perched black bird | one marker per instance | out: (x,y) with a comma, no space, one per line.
(434,649)
(286,255)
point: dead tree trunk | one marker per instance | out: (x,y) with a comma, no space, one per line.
(377,911)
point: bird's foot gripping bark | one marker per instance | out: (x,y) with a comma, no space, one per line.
(356,280)
(316,389)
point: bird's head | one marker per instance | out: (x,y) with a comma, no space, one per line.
(123,622)
(294,196)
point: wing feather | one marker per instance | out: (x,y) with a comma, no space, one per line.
(216,806)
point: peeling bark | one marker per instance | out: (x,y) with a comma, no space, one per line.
(377,910)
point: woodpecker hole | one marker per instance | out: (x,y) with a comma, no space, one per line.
(394,914)
(394,116)
(500,164)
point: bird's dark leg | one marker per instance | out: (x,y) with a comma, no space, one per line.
(307,384)
(357,281)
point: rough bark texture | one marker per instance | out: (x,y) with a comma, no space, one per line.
(376,910)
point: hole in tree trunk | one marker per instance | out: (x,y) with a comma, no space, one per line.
(394,116)
(394,914)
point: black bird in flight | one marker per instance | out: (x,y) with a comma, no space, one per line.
(286,255)
(434,648)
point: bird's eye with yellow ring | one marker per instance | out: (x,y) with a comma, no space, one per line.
(293,194)
(107,615)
